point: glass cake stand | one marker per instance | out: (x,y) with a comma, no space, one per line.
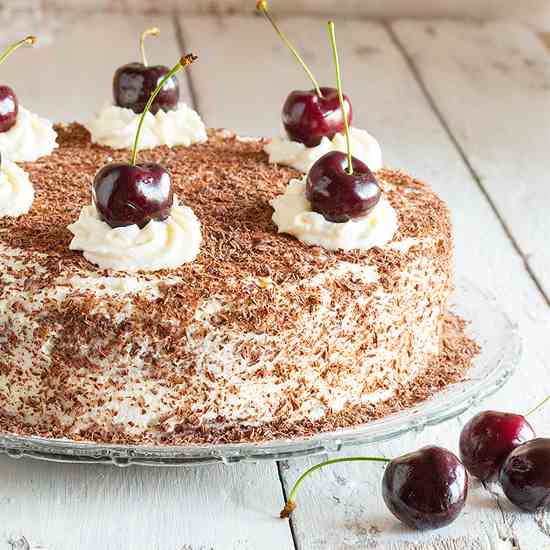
(491,327)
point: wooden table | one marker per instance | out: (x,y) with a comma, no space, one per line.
(465,106)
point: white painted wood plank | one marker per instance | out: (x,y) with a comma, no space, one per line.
(68,74)
(240,81)
(68,507)
(62,507)
(341,508)
(491,82)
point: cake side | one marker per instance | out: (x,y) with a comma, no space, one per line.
(260,335)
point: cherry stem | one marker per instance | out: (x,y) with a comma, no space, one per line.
(185,61)
(153,31)
(291,504)
(332,37)
(539,406)
(30,40)
(262,6)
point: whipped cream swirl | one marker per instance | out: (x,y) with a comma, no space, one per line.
(292,153)
(29,139)
(116,127)
(292,214)
(16,190)
(159,245)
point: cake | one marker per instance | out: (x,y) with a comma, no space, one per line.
(261,337)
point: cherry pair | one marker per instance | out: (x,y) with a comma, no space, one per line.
(124,194)
(427,489)
(339,187)
(503,446)
(130,193)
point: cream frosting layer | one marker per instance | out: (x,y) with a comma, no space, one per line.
(297,155)
(16,190)
(159,245)
(293,215)
(32,137)
(116,127)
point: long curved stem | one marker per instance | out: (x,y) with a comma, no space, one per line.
(262,6)
(30,40)
(332,37)
(539,406)
(181,64)
(290,503)
(153,31)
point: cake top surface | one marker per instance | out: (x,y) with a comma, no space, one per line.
(228,183)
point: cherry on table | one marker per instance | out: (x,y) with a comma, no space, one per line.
(338,195)
(488,438)
(134,83)
(426,489)
(9,104)
(525,475)
(308,116)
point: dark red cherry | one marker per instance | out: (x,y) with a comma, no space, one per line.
(308,118)
(340,196)
(126,194)
(426,489)
(134,83)
(488,438)
(525,475)
(9,107)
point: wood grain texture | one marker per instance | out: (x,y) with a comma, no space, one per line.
(491,83)
(68,507)
(342,508)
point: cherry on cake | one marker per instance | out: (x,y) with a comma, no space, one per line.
(134,221)
(314,120)
(24,136)
(169,120)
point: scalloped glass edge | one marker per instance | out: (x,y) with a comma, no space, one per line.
(491,327)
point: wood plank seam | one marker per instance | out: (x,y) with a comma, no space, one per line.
(510,535)
(280,466)
(438,113)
